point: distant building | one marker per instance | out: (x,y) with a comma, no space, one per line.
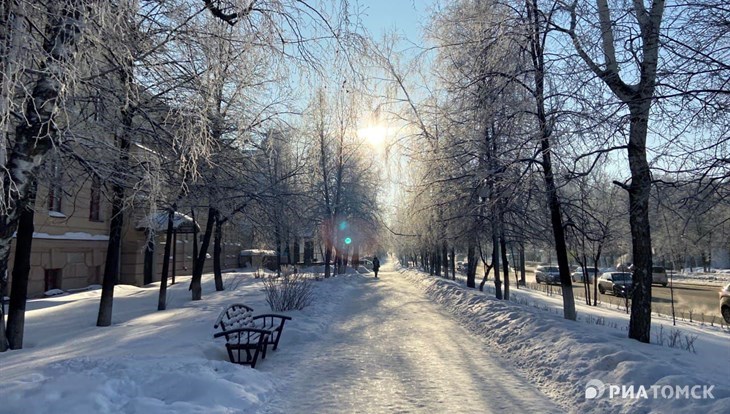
(71,236)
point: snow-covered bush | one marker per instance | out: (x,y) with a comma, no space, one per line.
(290,291)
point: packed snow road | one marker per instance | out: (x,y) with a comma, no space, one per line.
(391,350)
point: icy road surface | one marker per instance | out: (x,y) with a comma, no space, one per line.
(390,350)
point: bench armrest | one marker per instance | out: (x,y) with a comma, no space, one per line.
(272,315)
(239,330)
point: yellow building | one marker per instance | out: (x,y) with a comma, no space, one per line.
(71,236)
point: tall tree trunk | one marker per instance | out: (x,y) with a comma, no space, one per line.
(296,256)
(514,265)
(595,276)
(505,263)
(495,263)
(356,255)
(196,281)
(149,255)
(586,277)
(13,32)
(217,271)
(174,255)
(437,260)
(195,243)
(21,271)
(561,249)
(3,292)
(112,267)
(523,280)
(308,252)
(287,248)
(545,130)
(162,298)
(327,259)
(453,263)
(471,268)
(445,258)
(639,191)
(113,256)
(277,238)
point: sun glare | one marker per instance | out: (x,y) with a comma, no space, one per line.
(375,135)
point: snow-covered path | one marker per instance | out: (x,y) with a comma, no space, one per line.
(391,350)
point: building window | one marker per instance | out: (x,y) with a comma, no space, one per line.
(52,279)
(55,191)
(95,200)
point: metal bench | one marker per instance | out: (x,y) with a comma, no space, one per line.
(248,335)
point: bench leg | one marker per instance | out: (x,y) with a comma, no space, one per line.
(277,335)
(262,344)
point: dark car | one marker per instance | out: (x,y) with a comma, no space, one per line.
(617,283)
(725,303)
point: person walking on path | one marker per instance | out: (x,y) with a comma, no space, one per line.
(376,265)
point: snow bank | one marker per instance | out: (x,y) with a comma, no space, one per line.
(718,277)
(149,361)
(562,356)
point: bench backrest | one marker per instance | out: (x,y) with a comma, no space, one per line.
(235,316)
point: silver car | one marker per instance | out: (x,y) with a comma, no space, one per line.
(659,276)
(547,274)
(579,276)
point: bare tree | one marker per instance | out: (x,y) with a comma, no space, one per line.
(34,137)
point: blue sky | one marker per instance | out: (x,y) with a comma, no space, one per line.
(405,16)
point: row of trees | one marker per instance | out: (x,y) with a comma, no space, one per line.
(181,106)
(553,122)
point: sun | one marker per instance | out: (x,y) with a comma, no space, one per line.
(375,135)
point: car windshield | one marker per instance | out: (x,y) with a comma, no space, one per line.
(551,269)
(657,269)
(621,277)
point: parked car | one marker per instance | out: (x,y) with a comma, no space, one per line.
(725,303)
(579,276)
(659,276)
(547,274)
(624,267)
(461,266)
(617,283)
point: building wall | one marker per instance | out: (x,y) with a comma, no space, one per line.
(80,263)
(67,241)
(75,246)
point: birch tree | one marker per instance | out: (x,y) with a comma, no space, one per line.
(34,136)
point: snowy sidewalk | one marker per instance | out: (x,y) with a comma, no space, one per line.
(390,349)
